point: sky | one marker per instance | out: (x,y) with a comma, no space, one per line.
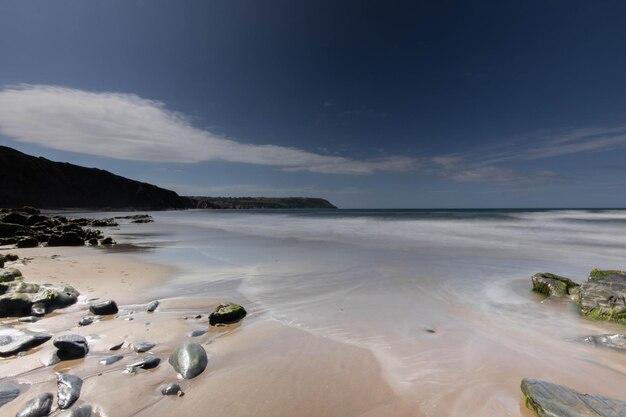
(370,104)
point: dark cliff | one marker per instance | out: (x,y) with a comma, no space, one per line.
(39,182)
(260,203)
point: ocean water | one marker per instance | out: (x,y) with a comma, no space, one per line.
(440,297)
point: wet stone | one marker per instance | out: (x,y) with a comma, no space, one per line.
(39,406)
(110,359)
(147,362)
(68,387)
(8,392)
(106,307)
(13,341)
(196,333)
(71,346)
(152,306)
(172,389)
(117,346)
(82,411)
(189,360)
(141,347)
(85,321)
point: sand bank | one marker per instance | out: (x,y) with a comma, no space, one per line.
(256,368)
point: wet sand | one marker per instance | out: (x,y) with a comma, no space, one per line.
(256,368)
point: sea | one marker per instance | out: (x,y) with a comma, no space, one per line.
(441,298)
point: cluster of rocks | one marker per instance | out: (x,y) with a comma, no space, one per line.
(602,296)
(188,360)
(26,227)
(24,299)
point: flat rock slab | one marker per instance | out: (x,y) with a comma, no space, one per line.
(613,341)
(553,285)
(13,341)
(141,347)
(8,392)
(553,400)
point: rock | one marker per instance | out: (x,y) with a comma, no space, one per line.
(105,307)
(553,285)
(71,346)
(141,347)
(66,239)
(110,359)
(172,389)
(85,321)
(196,333)
(68,387)
(603,295)
(29,319)
(189,360)
(11,257)
(8,392)
(613,341)
(117,346)
(227,313)
(82,411)
(147,362)
(38,309)
(9,274)
(39,406)
(24,299)
(552,400)
(108,222)
(152,306)
(107,241)
(51,359)
(27,242)
(13,341)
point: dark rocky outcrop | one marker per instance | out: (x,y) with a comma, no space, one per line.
(27,180)
(39,406)
(552,400)
(553,285)
(189,360)
(14,341)
(21,299)
(227,313)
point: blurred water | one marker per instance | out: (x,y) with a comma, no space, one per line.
(441,297)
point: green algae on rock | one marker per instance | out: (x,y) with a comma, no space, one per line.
(602,296)
(227,313)
(553,400)
(553,285)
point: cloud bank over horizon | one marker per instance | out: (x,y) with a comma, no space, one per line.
(129,127)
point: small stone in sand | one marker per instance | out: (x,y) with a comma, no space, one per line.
(147,362)
(172,389)
(152,306)
(117,347)
(8,392)
(82,411)
(197,332)
(68,387)
(141,347)
(85,321)
(110,359)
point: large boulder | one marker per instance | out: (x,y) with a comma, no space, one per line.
(189,360)
(552,400)
(14,341)
(227,313)
(71,346)
(553,285)
(11,230)
(603,295)
(28,242)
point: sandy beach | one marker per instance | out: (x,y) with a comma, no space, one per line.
(256,368)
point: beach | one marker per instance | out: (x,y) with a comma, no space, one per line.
(349,314)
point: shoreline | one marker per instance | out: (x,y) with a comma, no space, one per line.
(257,367)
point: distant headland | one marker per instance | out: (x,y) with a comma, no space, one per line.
(39,182)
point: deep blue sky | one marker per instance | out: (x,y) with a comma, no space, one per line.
(387,103)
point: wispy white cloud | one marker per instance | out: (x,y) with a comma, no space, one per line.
(126,126)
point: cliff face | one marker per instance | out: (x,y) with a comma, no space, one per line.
(39,182)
